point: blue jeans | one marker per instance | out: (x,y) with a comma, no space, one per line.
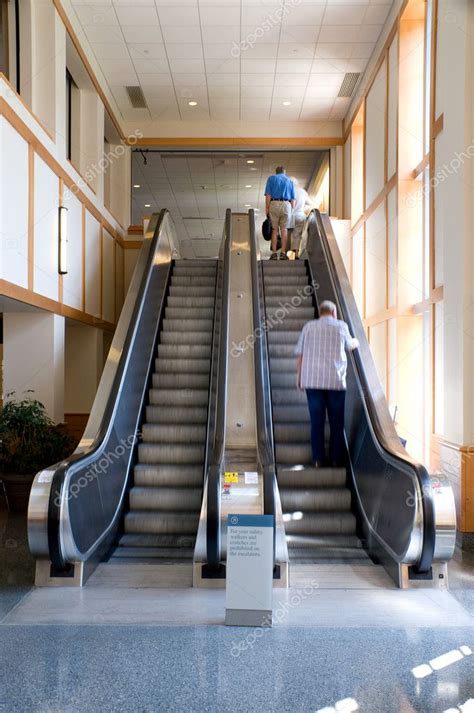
(320,401)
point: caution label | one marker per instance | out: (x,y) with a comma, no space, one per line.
(231,477)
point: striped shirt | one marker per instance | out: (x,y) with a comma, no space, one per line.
(323,343)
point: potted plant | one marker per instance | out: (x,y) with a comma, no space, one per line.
(29,442)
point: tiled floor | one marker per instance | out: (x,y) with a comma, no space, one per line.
(344,639)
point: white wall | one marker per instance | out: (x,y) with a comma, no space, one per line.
(93,265)
(46,216)
(83,367)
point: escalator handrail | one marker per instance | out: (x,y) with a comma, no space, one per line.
(383,429)
(265,443)
(216,457)
(101,418)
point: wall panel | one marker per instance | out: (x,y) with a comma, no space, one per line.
(376,262)
(119,295)
(392,250)
(130,260)
(358,270)
(46,192)
(93,265)
(13,205)
(375,137)
(347,178)
(378,346)
(392,108)
(108,278)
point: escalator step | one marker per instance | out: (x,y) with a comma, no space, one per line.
(174,453)
(184,271)
(178,397)
(292,432)
(173,433)
(176,414)
(169,523)
(187,338)
(175,302)
(282,336)
(304,301)
(192,291)
(281,290)
(185,366)
(281,350)
(180,381)
(311,477)
(283,365)
(284,379)
(192,281)
(145,554)
(292,413)
(293,453)
(291,282)
(188,325)
(315,541)
(290,323)
(284,313)
(184,351)
(288,397)
(315,500)
(189,313)
(166,475)
(165,499)
(331,523)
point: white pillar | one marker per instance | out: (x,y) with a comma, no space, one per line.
(33,358)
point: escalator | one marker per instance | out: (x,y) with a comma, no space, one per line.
(319,522)
(133,488)
(384,505)
(165,499)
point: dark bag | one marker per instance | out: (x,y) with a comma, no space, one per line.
(267,229)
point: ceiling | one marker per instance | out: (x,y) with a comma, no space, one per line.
(197,188)
(238,60)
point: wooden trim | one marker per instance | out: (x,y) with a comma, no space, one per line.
(375,203)
(70,30)
(380,317)
(31,217)
(53,164)
(60,277)
(28,108)
(115,281)
(101,278)
(135,230)
(438,126)
(83,212)
(131,244)
(8,289)
(378,64)
(227,142)
(437,295)
(87,183)
(424,163)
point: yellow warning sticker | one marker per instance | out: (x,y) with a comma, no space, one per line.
(231,477)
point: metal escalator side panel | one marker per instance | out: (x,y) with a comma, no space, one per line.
(79,501)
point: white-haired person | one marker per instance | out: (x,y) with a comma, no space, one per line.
(298,217)
(321,371)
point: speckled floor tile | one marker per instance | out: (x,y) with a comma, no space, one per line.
(10,597)
(187,669)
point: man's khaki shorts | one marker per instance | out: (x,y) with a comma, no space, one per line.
(280,214)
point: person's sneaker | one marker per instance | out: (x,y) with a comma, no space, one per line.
(274,256)
(317,464)
(283,256)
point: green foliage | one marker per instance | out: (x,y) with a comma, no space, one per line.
(29,440)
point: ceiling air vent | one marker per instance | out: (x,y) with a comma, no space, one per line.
(349,83)
(136,96)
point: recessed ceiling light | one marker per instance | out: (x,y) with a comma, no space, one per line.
(248,205)
(286,103)
(192,103)
(248,186)
(252,168)
(250,160)
(147,205)
(136,185)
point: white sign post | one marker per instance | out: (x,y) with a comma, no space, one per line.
(249,575)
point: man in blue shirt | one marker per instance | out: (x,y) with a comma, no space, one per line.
(279,203)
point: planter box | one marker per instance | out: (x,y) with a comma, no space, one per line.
(18,489)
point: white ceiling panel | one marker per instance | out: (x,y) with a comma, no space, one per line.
(216,51)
